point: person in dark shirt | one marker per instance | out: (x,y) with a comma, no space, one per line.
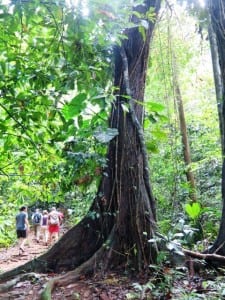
(36,218)
(22,228)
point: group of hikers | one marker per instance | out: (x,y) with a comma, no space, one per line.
(45,224)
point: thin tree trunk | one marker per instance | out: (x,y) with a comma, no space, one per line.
(184,134)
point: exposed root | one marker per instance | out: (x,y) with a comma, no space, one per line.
(88,267)
(206,256)
(30,266)
(9,284)
(47,292)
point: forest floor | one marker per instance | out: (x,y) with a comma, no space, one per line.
(113,287)
(172,284)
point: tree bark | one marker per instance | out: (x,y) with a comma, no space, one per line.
(217,13)
(122,217)
(217,80)
(184,134)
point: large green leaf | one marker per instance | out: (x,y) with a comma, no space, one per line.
(75,106)
(107,135)
(154,106)
(193,210)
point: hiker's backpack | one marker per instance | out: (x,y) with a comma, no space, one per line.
(36,218)
(44,220)
(54,218)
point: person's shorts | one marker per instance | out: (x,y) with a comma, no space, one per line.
(21,233)
(53,228)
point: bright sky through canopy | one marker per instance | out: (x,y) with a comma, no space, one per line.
(83,4)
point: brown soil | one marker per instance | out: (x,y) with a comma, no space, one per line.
(10,258)
(112,287)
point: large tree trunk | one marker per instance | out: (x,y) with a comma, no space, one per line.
(217,12)
(122,218)
(217,80)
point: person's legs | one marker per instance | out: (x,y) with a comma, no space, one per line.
(22,236)
(20,242)
(28,239)
(50,234)
(23,241)
(35,231)
(56,233)
(45,234)
(38,227)
(51,238)
(56,236)
(53,233)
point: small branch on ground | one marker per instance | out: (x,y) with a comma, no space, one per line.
(205,256)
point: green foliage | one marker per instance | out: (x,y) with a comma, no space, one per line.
(193,67)
(193,210)
(56,73)
(54,64)
(107,135)
(74,107)
(140,290)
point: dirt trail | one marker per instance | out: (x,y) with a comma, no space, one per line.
(10,258)
(113,288)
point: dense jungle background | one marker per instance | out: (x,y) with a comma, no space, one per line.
(57,91)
